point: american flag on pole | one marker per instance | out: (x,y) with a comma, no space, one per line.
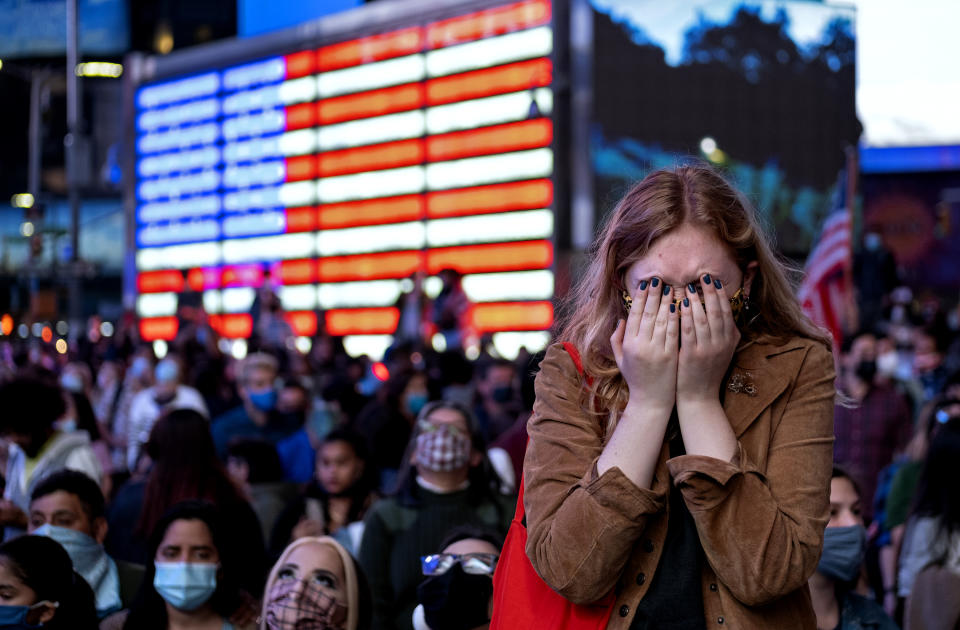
(825,291)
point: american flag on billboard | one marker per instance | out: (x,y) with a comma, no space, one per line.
(335,173)
(824,292)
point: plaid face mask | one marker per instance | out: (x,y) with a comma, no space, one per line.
(443,448)
(308,609)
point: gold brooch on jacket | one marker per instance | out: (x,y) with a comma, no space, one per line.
(742,383)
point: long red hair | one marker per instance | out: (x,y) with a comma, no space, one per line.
(663,201)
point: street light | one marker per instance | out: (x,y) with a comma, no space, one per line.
(103,69)
(22,200)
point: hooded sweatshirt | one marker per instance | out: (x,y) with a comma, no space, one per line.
(63,450)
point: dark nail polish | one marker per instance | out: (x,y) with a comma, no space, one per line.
(691,288)
(706,279)
(655,282)
(643,285)
(717,284)
(666,289)
(673,307)
(686,301)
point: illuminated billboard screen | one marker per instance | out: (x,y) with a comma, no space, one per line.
(763,89)
(338,171)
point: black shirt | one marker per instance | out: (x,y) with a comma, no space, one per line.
(674,600)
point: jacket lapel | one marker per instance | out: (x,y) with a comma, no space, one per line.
(761,373)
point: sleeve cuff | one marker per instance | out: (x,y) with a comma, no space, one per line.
(706,481)
(614,491)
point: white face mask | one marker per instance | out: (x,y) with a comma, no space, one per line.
(887,364)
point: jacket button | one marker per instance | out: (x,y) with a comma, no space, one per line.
(624,610)
(720,620)
(647,545)
(713,587)
(641,579)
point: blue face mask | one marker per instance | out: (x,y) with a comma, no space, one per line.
(265,400)
(185,585)
(90,561)
(72,382)
(167,371)
(416,402)
(16,616)
(843,549)
(65,425)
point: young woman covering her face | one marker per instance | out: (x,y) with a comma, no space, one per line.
(316,583)
(687,473)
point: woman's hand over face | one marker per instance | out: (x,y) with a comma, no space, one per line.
(645,347)
(708,339)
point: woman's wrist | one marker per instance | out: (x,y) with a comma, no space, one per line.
(697,407)
(651,408)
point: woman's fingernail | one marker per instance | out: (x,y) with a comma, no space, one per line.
(717,284)
(643,285)
(666,289)
(706,279)
(691,288)
(686,302)
(673,307)
(655,283)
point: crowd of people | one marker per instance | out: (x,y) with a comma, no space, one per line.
(200,490)
(898,440)
(313,489)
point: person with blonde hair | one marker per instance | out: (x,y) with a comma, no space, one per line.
(316,583)
(680,447)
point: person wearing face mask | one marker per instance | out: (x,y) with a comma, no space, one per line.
(190,581)
(147,406)
(75,377)
(457,593)
(929,372)
(835,603)
(386,422)
(68,507)
(447,481)
(335,501)
(879,423)
(929,571)
(258,416)
(39,588)
(80,417)
(497,406)
(316,584)
(138,376)
(31,409)
(874,274)
(184,467)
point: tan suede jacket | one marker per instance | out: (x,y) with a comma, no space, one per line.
(760,517)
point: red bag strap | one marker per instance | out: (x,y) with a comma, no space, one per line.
(575,355)
(578,362)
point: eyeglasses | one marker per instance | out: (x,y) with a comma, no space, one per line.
(473,563)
